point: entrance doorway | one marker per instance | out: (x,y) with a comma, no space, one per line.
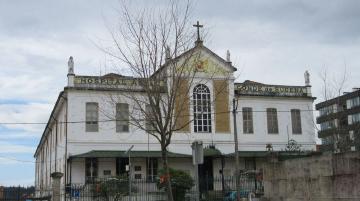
(206,175)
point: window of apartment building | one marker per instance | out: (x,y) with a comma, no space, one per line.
(328,110)
(202,109)
(296,121)
(354,118)
(328,125)
(122,117)
(151,168)
(353,102)
(92,117)
(327,140)
(272,121)
(91,168)
(351,135)
(247,120)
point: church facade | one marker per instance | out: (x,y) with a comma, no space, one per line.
(84,141)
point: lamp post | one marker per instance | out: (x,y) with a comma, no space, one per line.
(129,152)
(237,171)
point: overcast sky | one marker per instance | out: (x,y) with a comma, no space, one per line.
(270,41)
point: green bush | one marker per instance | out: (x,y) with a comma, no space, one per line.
(114,187)
(180,182)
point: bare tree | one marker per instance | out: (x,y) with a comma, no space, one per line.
(333,84)
(157,47)
(333,87)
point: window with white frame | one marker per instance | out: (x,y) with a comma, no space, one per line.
(122,117)
(202,109)
(272,121)
(296,121)
(247,120)
(92,117)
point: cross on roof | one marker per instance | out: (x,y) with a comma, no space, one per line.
(198,26)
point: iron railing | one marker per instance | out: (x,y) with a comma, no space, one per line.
(116,189)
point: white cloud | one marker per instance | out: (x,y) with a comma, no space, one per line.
(8,161)
(32,112)
(7,148)
(18,135)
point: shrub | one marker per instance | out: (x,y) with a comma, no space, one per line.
(115,187)
(180,182)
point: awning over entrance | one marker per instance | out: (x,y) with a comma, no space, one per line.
(134,154)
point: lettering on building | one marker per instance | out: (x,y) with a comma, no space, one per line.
(105,82)
(269,90)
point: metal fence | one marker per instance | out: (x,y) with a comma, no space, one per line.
(211,189)
(111,189)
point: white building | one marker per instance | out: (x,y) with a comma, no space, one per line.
(83,141)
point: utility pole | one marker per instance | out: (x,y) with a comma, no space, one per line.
(237,169)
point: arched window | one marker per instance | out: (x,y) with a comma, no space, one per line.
(202,109)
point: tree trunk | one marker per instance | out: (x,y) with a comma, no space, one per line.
(167,172)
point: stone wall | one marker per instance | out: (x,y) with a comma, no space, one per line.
(326,177)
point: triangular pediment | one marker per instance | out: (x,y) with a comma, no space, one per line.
(201,59)
(217,58)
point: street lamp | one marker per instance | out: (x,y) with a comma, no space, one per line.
(237,171)
(129,152)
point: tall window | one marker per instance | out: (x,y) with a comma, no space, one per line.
(149,120)
(202,109)
(247,120)
(272,121)
(92,117)
(122,117)
(296,121)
